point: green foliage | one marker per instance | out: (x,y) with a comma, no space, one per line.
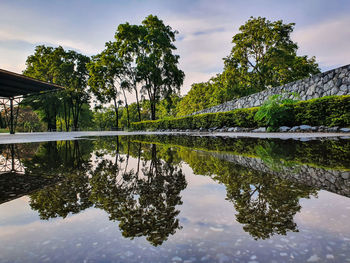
(150,46)
(276,110)
(65,68)
(240,117)
(206,94)
(328,111)
(104,118)
(263,55)
(28,120)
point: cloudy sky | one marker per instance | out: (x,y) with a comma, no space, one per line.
(205,28)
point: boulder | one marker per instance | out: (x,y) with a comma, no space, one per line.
(295,128)
(283,129)
(261,129)
(305,127)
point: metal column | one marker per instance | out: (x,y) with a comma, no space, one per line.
(12,128)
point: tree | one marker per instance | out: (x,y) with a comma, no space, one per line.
(76,78)
(151,46)
(28,120)
(127,37)
(65,68)
(43,65)
(104,117)
(263,55)
(107,77)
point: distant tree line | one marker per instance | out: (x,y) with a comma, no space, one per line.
(141,61)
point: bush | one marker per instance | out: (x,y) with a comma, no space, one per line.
(275,111)
(328,111)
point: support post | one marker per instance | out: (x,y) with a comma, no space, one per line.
(13,169)
(12,128)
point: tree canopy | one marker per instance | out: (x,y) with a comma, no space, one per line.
(150,46)
(263,55)
(66,68)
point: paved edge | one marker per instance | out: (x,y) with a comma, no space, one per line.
(63,136)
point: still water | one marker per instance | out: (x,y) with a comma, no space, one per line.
(175,199)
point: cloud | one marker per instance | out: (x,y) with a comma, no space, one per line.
(201,45)
(328,41)
(205,29)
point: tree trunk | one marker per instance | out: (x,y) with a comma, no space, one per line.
(66,116)
(138,104)
(127,109)
(153,110)
(116,113)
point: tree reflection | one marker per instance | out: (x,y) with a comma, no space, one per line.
(265,204)
(70,162)
(142,196)
(144,202)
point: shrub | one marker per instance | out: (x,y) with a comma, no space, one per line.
(328,111)
(275,111)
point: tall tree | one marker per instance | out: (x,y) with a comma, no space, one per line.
(151,45)
(127,41)
(264,55)
(43,65)
(107,77)
(65,68)
(76,83)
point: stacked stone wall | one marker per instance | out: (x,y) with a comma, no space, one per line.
(332,82)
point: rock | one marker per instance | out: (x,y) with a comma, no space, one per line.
(305,127)
(334,91)
(284,129)
(345,175)
(261,129)
(295,128)
(321,128)
(344,130)
(333,129)
(343,87)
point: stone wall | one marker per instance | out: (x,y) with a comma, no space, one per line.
(332,82)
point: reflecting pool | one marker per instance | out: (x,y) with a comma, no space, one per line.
(175,199)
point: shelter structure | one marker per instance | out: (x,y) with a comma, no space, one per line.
(14,87)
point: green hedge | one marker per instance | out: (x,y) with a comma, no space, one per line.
(328,111)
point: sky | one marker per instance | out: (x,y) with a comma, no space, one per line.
(205,28)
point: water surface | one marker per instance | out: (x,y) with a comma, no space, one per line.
(175,199)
